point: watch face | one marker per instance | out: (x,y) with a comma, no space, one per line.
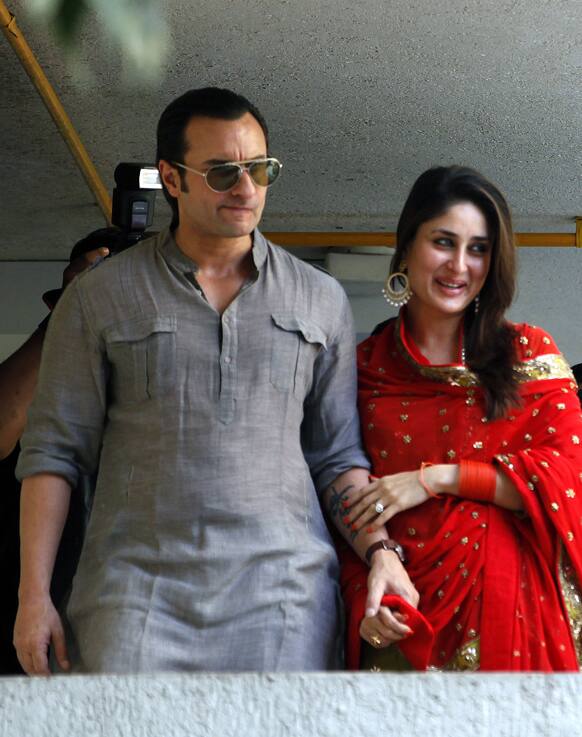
(399,550)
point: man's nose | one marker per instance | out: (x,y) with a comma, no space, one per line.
(245,185)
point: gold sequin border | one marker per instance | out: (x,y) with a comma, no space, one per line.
(572,599)
(467,658)
(548,366)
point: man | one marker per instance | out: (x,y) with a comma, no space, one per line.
(216,373)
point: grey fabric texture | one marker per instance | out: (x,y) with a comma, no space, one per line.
(210,434)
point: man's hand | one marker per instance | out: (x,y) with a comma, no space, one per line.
(388,576)
(385,628)
(78,265)
(38,625)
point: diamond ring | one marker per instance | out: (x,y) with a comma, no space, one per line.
(379,508)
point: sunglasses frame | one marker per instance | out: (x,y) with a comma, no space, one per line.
(242,166)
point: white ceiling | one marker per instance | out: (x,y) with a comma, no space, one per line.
(360,99)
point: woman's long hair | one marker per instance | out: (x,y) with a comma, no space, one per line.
(489,339)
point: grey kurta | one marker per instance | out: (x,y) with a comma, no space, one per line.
(206,547)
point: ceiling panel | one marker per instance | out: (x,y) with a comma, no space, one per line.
(360,99)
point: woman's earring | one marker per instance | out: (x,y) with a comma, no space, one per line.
(397,297)
(476,304)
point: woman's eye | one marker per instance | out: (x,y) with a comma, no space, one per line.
(444,242)
(480,248)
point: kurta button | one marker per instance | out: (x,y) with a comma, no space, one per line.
(227,359)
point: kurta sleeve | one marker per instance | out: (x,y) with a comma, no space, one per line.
(65,421)
(330,432)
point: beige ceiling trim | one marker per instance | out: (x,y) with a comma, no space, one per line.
(367,239)
(55,108)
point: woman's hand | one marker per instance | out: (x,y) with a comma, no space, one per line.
(392,494)
(385,628)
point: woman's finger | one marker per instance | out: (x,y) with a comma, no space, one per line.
(356,500)
(376,522)
(373,494)
(368,515)
(387,620)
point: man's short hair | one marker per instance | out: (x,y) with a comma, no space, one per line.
(207,102)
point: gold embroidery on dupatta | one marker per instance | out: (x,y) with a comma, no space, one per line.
(548,366)
(572,598)
(466,658)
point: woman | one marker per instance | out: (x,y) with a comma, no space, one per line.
(474,430)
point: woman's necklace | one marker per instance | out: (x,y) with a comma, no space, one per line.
(461,345)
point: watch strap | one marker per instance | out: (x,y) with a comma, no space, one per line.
(386,544)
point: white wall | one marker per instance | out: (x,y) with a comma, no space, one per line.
(22,284)
(321,705)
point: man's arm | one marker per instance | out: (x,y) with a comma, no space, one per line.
(43,511)
(61,441)
(333,449)
(387,574)
(18,376)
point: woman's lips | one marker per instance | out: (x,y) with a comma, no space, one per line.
(450,286)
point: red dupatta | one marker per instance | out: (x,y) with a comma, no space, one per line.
(499,589)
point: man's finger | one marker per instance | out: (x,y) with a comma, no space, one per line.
(389,620)
(374,598)
(26,662)
(40,663)
(60,647)
(83,262)
(92,256)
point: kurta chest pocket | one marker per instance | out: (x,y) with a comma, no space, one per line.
(142,356)
(296,342)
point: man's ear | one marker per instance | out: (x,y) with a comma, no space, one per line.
(170,177)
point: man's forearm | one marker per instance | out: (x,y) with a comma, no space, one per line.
(44,505)
(18,376)
(387,574)
(336,500)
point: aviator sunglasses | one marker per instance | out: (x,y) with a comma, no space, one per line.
(222,177)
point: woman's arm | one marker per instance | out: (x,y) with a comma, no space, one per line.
(443,478)
(401,491)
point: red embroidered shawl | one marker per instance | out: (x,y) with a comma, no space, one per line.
(498,588)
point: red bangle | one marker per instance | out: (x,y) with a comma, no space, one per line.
(477,481)
(423,483)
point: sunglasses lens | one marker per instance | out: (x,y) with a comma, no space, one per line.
(223,177)
(265,172)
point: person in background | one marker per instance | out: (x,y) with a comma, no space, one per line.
(473,427)
(18,377)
